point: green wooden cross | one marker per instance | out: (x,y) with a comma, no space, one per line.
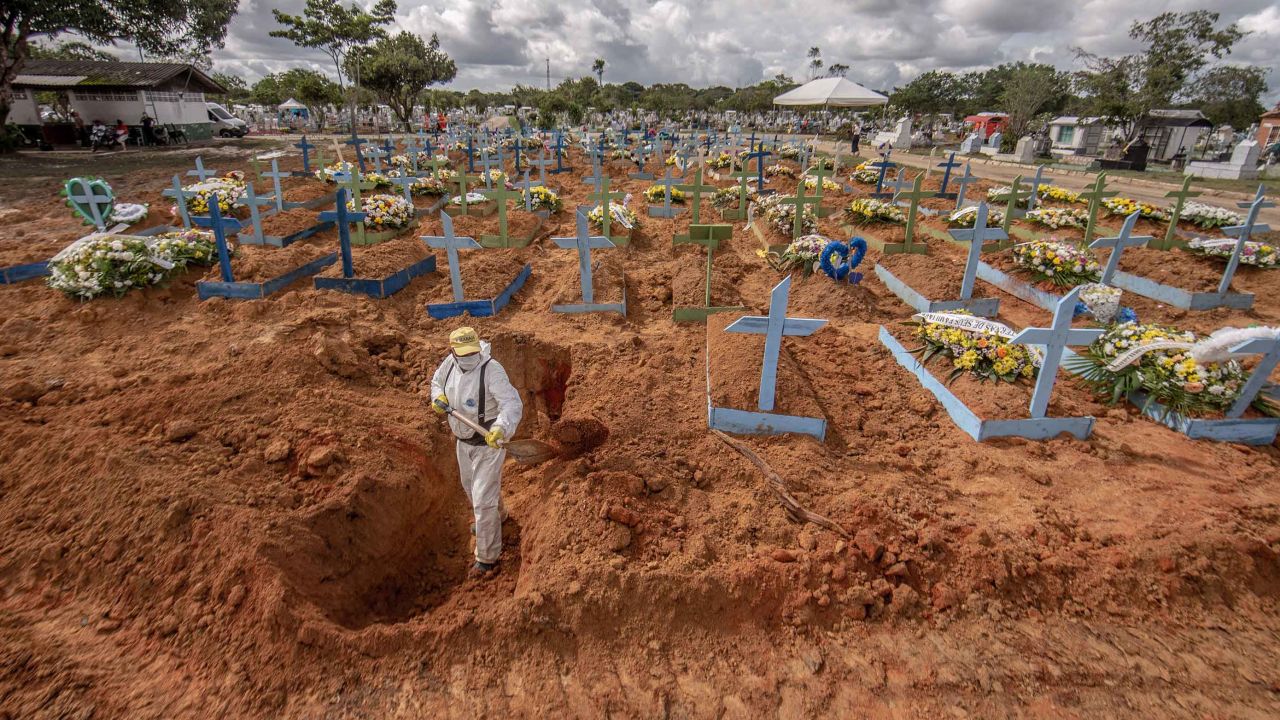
(436,163)
(605,199)
(318,158)
(354,184)
(1095,198)
(909,244)
(708,236)
(694,191)
(500,195)
(1016,195)
(1171,240)
(461,180)
(820,172)
(744,180)
(799,202)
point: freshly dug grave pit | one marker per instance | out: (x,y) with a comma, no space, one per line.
(388,549)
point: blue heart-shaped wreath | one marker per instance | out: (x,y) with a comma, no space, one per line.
(851,254)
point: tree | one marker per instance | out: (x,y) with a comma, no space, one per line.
(400,68)
(161,28)
(1125,89)
(328,26)
(70,50)
(597,68)
(1228,95)
(1030,90)
(237,89)
(837,70)
(936,91)
(815,62)
(267,91)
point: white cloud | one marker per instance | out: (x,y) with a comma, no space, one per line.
(499,43)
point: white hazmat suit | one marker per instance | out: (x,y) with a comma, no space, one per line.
(496,405)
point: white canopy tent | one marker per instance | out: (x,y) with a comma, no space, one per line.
(291,104)
(831,92)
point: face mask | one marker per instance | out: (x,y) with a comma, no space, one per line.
(468,362)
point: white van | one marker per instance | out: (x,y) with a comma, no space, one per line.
(224,123)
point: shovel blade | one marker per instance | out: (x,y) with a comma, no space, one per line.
(529,452)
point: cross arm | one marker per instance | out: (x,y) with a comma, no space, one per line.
(758,325)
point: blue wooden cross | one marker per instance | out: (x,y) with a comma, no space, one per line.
(1036,184)
(1269,349)
(526,185)
(946,176)
(97,202)
(1054,339)
(411,150)
(180,198)
(471,153)
(502,157)
(963,182)
(388,147)
(883,165)
(667,211)
(278,191)
(200,173)
(1126,239)
(518,148)
(773,327)
(976,236)
(305,147)
(1242,233)
(220,225)
(584,242)
(451,244)
(559,148)
(376,155)
(759,156)
(355,142)
(596,176)
(253,200)
(343,218)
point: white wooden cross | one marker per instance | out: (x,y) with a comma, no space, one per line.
(254,200)
(1054,339)
(1269,349)
(180,200)
(963,183)
(276,175)
(583,242)
(1126,239)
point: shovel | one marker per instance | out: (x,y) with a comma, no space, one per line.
(525,452)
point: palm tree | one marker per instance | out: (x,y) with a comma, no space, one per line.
(815,61)
(597,67)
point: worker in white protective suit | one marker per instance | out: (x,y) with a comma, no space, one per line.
(473,384)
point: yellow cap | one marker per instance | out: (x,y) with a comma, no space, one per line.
(464,341)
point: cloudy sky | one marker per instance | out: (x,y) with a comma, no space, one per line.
(499,43)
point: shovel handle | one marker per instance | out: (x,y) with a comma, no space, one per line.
(466,420)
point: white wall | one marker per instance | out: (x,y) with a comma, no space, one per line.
(170,107)
(24,110)
(108,105)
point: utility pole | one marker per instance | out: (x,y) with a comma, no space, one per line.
(548,74)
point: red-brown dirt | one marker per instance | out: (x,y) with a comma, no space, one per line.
(247,509)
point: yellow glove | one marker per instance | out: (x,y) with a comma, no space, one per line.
(439,404)
(495,435)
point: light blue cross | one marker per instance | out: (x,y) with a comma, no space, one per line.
(254,200)
(1269,349)
(773,326)
(963,182)
(200,173)
(1054,339)
(180,198)
(451,244)
(220,225)
(976,236)
(584,242)
(1242,233)
(276,175)
(1126,239)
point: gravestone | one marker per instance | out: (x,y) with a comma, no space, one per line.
(1025,151)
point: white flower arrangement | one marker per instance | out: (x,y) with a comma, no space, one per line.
(1254,253)
(115,264)
(1058,217)
(1058,262)
(1208,217)
(619,214)
(229,190)
(1124,207)
(384,212)
(473,198)
(828,185)
(967,216)
(329,173)
(782,216)
(128,213)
